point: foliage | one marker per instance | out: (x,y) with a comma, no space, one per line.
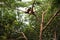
(12,21)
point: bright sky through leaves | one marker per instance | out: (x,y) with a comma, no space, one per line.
(26,0)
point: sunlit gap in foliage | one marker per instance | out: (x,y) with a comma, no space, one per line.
(1,2)
(26,0)
(22,17)
(23,1)
(25,19)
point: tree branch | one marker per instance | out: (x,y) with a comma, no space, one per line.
(51,20)
(23,36)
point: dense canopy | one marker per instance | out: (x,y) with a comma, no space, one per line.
(15,24)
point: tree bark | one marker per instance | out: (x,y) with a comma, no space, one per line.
(55,35)
(50,20)
(41,26)
(23,36)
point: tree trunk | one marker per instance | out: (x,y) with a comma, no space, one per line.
(41,26)
(54,35)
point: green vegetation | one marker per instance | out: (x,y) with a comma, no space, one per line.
(14,21)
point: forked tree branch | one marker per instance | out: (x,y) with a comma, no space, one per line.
(51,20)
(23,36)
